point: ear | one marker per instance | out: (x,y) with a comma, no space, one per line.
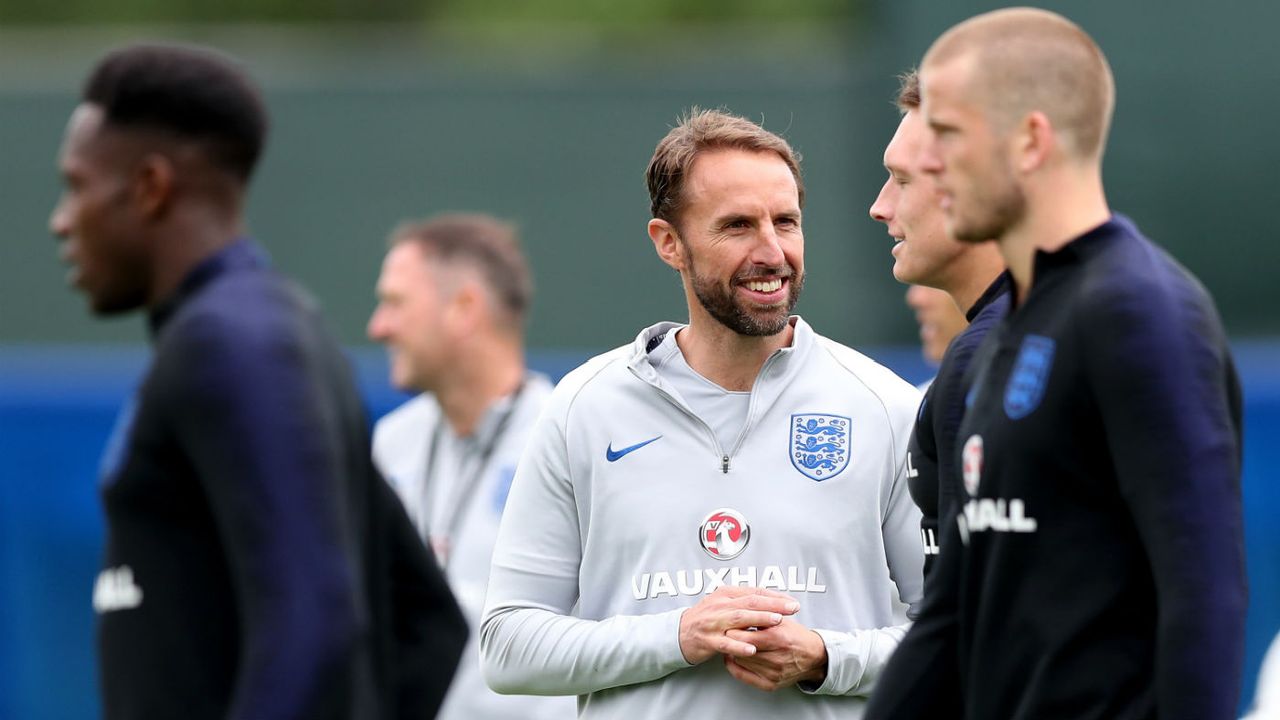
(1034,142)
(666,240)
(154,184)
(466,307)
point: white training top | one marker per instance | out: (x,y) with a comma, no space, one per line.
(626,510)
(459,509)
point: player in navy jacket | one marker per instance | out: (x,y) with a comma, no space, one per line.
(1100,568)
(256,565)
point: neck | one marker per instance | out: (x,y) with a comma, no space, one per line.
(978,268)
(187,239)
(481,379)
(1059,210)
(724,357)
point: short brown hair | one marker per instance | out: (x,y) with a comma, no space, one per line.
(1028,60)
(484,243)
(908,91)
(699,131)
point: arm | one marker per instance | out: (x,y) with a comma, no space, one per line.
(429,631)
(528,641)
(921,679)
(250,418)
(1170,407)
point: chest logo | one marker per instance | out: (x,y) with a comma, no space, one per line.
(1030,375)
(615,455)
(819,444)
(724,534)
(971,459)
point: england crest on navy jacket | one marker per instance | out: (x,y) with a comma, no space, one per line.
(1030,374)
(819,444)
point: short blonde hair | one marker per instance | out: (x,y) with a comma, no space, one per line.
(1029,60)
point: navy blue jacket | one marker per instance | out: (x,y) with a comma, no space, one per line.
(257,566)
(934,486)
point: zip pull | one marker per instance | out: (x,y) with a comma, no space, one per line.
(724,464)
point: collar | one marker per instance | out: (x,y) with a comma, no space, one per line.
(241,254)
(1081,248)
(783,364)
(1001,285)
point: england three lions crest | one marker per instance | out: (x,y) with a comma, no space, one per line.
(819,444)
(1029,377)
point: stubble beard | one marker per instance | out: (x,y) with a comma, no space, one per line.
(996,209)
(721,303)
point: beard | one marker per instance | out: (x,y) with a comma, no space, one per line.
(997,207)
(722,303)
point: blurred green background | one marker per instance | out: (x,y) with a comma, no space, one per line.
(545,113)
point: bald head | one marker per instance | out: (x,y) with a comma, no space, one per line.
(1025,60)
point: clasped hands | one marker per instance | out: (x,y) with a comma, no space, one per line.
(751,628)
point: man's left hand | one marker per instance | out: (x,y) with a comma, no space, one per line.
(786,654)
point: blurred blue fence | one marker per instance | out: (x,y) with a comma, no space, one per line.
(57,406)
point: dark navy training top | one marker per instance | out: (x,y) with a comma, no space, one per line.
(256,565)
(934,487)
(1098,569)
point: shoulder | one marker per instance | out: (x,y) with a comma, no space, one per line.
(1134,286)
(245,310)
(960,354)
(891,390)
(597,377)
(414,417)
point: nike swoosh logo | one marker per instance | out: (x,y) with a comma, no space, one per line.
(615,455)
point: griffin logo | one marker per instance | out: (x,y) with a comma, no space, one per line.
(724,534)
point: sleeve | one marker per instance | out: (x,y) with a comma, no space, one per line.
(921,679)
(923,475)
(249,411)
(429,632)
(529,643)
(1166,389)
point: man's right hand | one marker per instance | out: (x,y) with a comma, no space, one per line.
(703,626)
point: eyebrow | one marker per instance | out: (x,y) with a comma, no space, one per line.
(732,218)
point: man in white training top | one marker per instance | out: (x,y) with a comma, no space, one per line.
(715,518)
(452,298)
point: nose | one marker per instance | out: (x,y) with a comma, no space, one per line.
(376,328)
(768,251)
(59,224)
(882,208)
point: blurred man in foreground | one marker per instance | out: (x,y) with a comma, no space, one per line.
(256,565)
(453,296)
(1097,569)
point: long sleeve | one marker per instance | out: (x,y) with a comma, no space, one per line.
(921,680)
(264,448)
(428,631)
(1170,404)
(529,643)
